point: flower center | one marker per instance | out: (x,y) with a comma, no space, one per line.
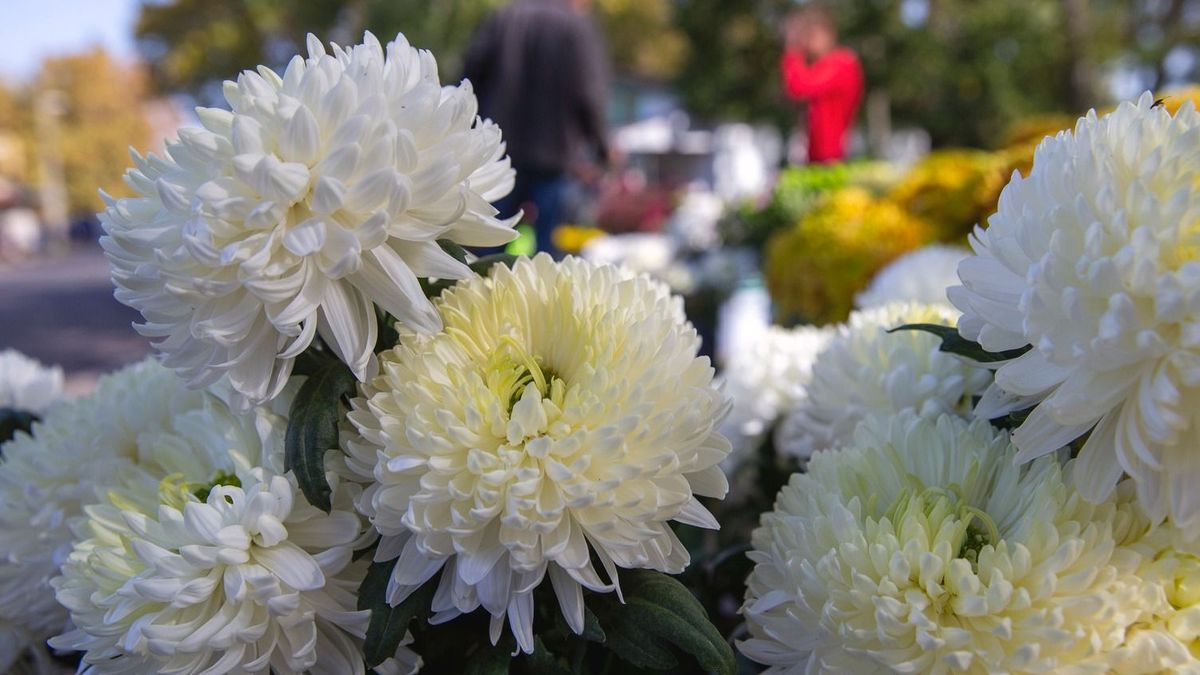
(222,478)
(970,530)
(515,368)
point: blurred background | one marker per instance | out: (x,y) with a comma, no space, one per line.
(702,175)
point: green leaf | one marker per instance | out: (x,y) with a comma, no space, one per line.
(313,429)
(491,659)
(1011,420)
(388,337)
(457,252)
(389,624)
(485,264)
(312,359)
(592,632)
(13,421)
(544,662)
(659,616)
(954,343)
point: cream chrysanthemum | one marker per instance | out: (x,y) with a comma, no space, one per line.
(322,192)
(1092,259)
(1168,639)
(27,385)
(206,558)
(921,276)
(922,548)
(767,380)
(47,478)
(864,370)
(563,413)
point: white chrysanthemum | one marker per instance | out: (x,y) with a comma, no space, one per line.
(201,561)
(322,192)
(563,413)
(768,379)
(26,384)
(78,448)
(921,276)
(1092,259)
(864,370)
(252,578)
(922,548)
(1168,640)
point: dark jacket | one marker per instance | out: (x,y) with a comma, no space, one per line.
(539,70)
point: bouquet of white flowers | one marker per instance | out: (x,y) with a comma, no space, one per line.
(363,449)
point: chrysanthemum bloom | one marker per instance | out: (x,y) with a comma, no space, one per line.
(767,380)
(864,370)
(204,560)
(921,276)
(563,413)
(1092,259)
(922,548)
(78,448)
(1168,640)
(322,192)
(26,384)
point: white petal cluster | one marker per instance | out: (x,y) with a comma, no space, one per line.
(46,479)
(26,384)
(205,558)
(250,579)
(768,379)
(922,548)
(1168,640)
(864,370)
(563,413)
(1094,260)
(321,192)
(921,276)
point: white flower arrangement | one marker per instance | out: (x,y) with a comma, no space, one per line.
(767,381)
(354,442)
(74,454)
(866,370)
(922,547)
(320,194)
(27,385)
(1091,260)
(562,416)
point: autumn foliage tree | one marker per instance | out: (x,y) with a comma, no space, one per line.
(98,109)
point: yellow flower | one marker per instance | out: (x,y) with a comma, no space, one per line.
(814,269)
(953,190)
(572,238)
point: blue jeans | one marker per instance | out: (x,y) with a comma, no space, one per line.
(541,194)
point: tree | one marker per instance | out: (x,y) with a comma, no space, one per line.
(192,45)
(102,115)
(964,70)
(97,105)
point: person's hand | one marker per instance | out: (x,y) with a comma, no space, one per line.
(795,33)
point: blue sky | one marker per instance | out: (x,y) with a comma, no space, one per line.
(33,29)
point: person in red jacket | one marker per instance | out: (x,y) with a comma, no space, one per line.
(826,76)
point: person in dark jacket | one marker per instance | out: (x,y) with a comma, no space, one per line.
(539,69)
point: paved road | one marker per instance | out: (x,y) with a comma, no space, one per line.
(61,310)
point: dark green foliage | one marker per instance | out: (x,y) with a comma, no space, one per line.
(313,428)
(954,343)
(13,421)
(659,620)
(389,624)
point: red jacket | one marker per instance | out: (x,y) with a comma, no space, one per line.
(833,88)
